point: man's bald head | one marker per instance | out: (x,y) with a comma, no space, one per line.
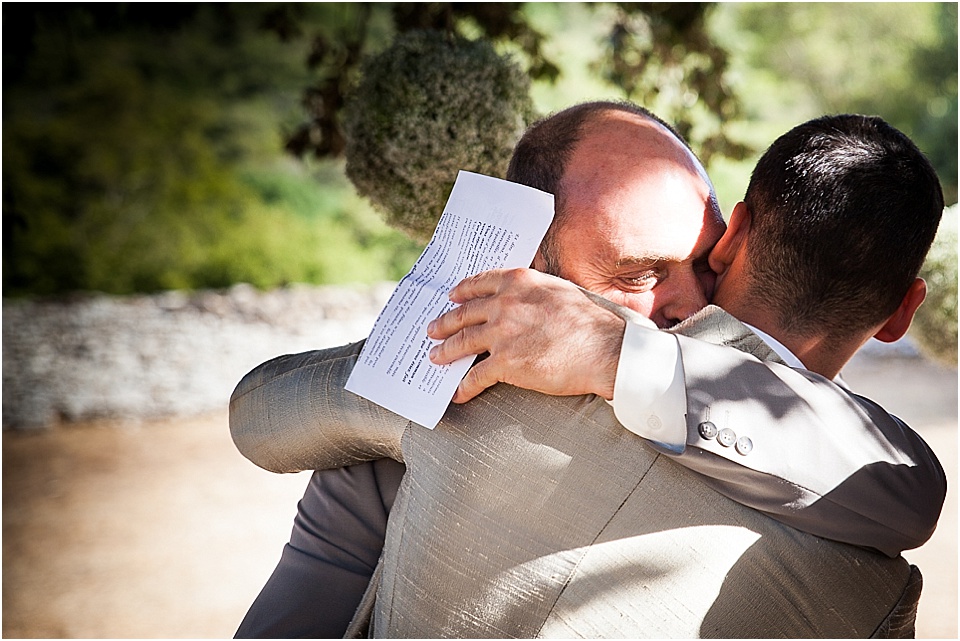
(634,207)
(541,156)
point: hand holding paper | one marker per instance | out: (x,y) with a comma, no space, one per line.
(487,223)
(542,333)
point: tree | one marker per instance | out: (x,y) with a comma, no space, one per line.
(142,152)
(658,54)
(935,325)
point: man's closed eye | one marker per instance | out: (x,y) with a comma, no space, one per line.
(641,282)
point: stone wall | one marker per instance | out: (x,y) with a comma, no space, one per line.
(95,357)
(140,357)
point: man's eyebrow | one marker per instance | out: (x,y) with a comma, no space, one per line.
(643,262)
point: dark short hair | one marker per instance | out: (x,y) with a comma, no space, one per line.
(844,209)
(540,157)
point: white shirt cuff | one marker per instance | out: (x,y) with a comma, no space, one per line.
(649,394)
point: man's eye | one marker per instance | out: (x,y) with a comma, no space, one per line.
(641,282)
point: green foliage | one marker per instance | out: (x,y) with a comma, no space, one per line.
(790,62)
(141,158)
(359,30)
(663,57)
(657,53)
(143,143)
(934,66)
(427,106)
(935,325)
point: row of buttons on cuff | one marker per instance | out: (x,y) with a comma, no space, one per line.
(725,437)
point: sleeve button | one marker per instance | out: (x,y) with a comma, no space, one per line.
(707,430)
(726,437)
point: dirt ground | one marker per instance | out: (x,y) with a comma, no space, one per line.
(163,530)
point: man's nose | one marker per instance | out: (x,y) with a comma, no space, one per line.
(686,299)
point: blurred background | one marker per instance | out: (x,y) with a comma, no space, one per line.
(176,210)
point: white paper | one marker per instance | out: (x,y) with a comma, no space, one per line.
(487,223)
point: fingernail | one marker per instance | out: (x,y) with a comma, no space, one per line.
(431,326)
(433,352)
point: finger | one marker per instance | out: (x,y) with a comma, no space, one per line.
(477,286)
(471,313)
(478,378)
(469,341)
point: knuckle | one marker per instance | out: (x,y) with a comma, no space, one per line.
(515,275)
(472,377)
(468,338)
(456,315)
(438,352)
(452,343)
(451,321)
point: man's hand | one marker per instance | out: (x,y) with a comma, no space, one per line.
(543,333)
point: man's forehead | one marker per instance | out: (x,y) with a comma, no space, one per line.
(627,136)
(632,190)
(657,248)
(656,195)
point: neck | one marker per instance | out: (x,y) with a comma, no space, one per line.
(819,352)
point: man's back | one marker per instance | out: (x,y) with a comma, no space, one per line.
(529,515)
(529,525)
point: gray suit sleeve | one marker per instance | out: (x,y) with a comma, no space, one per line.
(292,413)
(325,569)
(807,452)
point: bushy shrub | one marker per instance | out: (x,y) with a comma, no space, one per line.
(427,106)
(935,325)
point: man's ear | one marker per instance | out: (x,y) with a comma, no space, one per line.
(898,324)
(732,241)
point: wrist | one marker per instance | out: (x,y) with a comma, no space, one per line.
(608,357)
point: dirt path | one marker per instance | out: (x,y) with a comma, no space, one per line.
(163,530)
(160,530)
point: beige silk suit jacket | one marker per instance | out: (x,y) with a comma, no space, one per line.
(523,515)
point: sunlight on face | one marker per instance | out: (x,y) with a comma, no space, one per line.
(639,223)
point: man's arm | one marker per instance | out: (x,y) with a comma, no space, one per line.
(334,547)
(504,311)
(292,413)
(807,452)
(821,459)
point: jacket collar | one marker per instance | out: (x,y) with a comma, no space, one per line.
(714,325)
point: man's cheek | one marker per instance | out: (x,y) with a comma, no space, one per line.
(638,302)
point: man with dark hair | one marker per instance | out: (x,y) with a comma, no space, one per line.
(718,379)
(854,197)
